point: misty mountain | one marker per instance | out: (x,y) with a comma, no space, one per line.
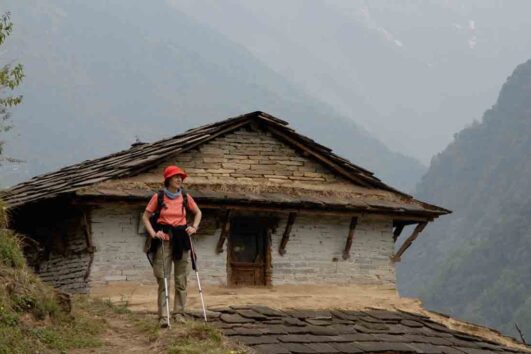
(99,74)
(411,72)
(475,263)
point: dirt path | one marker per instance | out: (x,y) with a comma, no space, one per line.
(141,297)
(120,337)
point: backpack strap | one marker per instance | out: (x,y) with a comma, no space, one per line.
(160,204)
(185,200)
(151,245)
(160,200)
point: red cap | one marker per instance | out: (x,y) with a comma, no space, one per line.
(171,171)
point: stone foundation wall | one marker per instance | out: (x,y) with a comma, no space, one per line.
(68,258)
(314,251)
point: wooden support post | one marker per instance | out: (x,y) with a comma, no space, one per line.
(268,259)
(87,228)
(348,244)
(409,241)
(224,232)
(398,231)
(287,231)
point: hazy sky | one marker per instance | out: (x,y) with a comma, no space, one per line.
(413,73)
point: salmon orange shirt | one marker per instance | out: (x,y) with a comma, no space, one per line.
(172,215)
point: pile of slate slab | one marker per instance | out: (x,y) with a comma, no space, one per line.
(272,331)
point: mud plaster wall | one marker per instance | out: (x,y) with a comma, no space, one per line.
(314,251)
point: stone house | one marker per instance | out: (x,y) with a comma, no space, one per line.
(278,208)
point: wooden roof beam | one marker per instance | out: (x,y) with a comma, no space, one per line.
(397,231)
(409,241)
(285,237)
(350,237)
(225,229)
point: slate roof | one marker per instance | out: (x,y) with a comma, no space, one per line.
(338,331)
(140,158)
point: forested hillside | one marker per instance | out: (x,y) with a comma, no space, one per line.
(476,263)
(99,74)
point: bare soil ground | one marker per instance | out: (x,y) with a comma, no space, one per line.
(142,297)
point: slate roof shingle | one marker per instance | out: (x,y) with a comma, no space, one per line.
(339,331)
(142,157)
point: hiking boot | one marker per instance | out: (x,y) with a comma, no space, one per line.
(163,322)
(179,318)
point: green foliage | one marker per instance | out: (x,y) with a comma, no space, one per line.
(59,332)
(47,327)
(64,337)
(13,340)
(10,77)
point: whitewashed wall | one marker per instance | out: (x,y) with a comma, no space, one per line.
(119,239)
(314,251)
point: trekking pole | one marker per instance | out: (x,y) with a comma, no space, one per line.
(194,266)
(166,295)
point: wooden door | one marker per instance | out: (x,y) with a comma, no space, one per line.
(247,252)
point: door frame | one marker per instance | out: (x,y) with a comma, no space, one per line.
(268,224)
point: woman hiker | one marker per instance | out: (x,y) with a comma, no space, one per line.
(172,230)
